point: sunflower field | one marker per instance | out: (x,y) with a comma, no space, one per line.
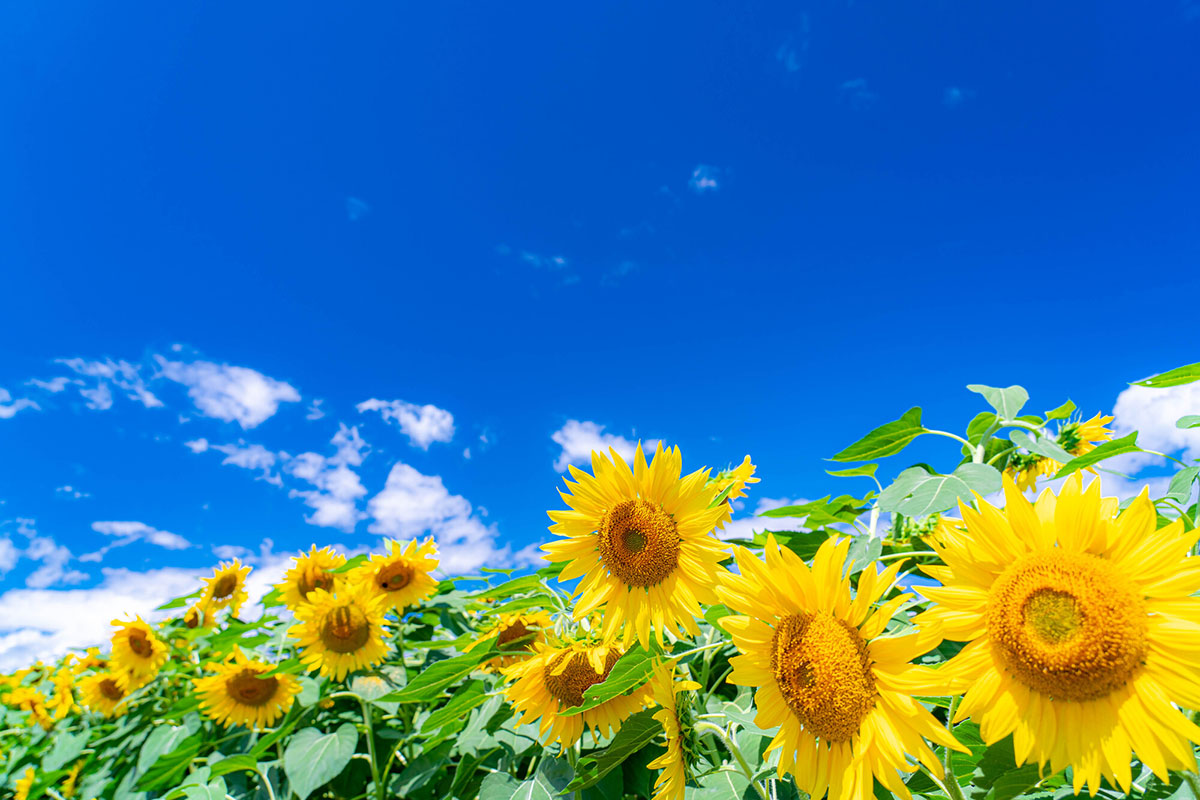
(952,634)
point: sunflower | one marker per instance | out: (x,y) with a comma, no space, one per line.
(238,694)
(343,632)
(1077,438)
(227,587)
(102,693)
(137,654)
(515,634)
(311,570)
(199,615)
(736,480)
(91,659)
(26,698)
(843,697)
(401,576)
(63,701)
(640,539)
(23,785)
(554,679)
(1082,630)
(67,789)
(673,763)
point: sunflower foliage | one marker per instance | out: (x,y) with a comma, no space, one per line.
(950,634)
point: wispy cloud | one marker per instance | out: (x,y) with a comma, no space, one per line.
(423,425)
(106,374)
(53,386)
(794,51)
(230,393)
(128,532)
(705,179)
(10,407)
(579,438)
(71,492)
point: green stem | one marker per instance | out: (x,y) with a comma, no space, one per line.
(908,554)
(370,725)
(737,754)
(953,436)
(1017,423)
(1164,455)
(1001,454)
(266,784)
(1193,782)
(953,790)
(701,648)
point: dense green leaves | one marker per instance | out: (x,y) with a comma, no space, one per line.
(312,758)
(886,440)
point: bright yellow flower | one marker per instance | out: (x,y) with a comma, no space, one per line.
(1077,438)
(642,542)
(310,571)
(102,693)
(341,633)
(515,635)
(24,784)
(137,654)
(400,576)
(27,698)
(67,789)
(1082,630)
(199,615)
(671,781)
(843,696)
(738,477)
(238,694)
(554,679)
(227,587)
(63,701)
(91,659)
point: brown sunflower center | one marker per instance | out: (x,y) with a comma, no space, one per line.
(639,543)
(1067,625)
(515,637)
(392,577)
(568,686)
(823,670)
(108,687)
(139,644)
(345,629)
(225,586)
(250,689)
(315,578)
(192,619)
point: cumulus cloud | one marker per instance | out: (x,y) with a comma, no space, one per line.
(337,488)
(10,407)
(413,504)
(704,179)
(54,559)
(578,439)
(106,374)
(314,410)
(423,425)
(1153,412)
(128,532)
(229,393)
(746,527)
(8,555)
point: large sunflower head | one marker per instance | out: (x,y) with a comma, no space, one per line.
(63,701)
(553,680)
(1082,629)
(516,636)
(674,716)
(239,693)
(227,587)
(400,576)
(843,697)
(137,654)
(341,633)
(641,541)
(311,570)
(103,694)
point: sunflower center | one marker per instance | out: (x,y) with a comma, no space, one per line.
(823,670)
(639,543)
(314,579)
(109,688)
(345,629)
(393,577)
(249,689)
(568,686)
(1067,625)
(139,644)
(515,637)
(224,587)
(192,619)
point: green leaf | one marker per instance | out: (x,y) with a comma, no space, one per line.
(169,767)
(272,598)
(313,759)
(1062,412)
(636,733)
(525,583)
(350,564)
(467,697)
(433,681)
(1042,445)
(1117,447)
(67,746)
(631,671)
(420,771)
(726,783)
(886,440)
(238,763)
(1176,377)
(866,470)
(918,493)
(1180,489)
(214,790)
(826,511)
(984,424)
(498,786)
(1007,402)
(289,667)
(162,739)
(1189,421)
(179,602)
(547,784)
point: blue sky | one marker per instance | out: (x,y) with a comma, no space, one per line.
(340,248)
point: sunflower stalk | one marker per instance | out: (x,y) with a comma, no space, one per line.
(737,755)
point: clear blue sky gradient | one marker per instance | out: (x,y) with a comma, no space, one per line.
(367,200)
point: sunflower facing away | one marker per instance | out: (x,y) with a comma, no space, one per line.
(1077,438)
(310,571)
(400,576)
(736,480)
(237,693)
(641,540)
(554,679)
(341,633)
(843,697)
(137,654)
(1082,630)
(227,587)
(674,762)
(102,693)
(515,634)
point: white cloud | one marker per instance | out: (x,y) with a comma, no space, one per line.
(423,425)
(197,445)
(10,407)
(71,492)
(125,376)
(579,439)
(229,393)
(337,487)
(99,397)
(314,410)
(704,179)
(54,385)
(54,558)
(1153,412)
(412,505)
(8,555)
(746,527)
(128,532)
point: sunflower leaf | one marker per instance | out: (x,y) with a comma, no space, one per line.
(1117,447)
(886,440)
(630,672)
(1062,412)
(1189,421)
(1008,402)
(918,492)
(1175,377)
(635,733)
(434,679)
(313,759)
(468,696)
(1041,445)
